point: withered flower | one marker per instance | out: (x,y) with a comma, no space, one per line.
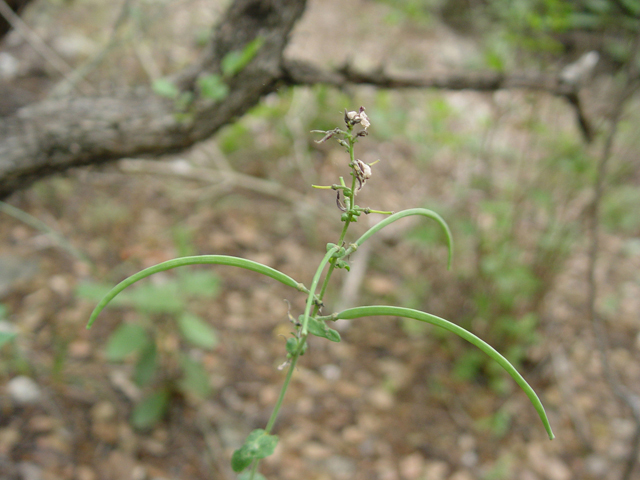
(363,173)
(359,117)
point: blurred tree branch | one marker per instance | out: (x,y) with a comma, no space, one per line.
(61,133)
(16,7)
(303,73)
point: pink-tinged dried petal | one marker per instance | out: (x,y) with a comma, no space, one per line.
(364,120)
(365,169)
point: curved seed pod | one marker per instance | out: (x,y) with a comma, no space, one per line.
(196,260)
(406,213)
(369,311)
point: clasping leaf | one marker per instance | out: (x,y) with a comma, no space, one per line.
(259,444)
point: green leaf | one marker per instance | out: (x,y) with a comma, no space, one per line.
(240,460)
(320,329)
(195,378)
(235,61)
(212,87)
(196,331)
(259,444)
(342,264)
(126,339)
(292,345)
(146,366)
(150,410)
(165,88)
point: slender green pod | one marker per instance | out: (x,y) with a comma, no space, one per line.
(406,213)
(196,260)
(371,311)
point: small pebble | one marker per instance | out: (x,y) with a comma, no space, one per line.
(23,390)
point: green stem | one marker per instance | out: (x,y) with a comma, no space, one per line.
(350,197)
(278,405)
(347,222)
(254,469)
(312,289)
(332,264)
(284,388)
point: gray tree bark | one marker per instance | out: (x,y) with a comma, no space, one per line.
(58,134)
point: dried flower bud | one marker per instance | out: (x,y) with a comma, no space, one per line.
(363,173)
(349,117)
(353,118)
(327,135)
(365,169)
(364,120)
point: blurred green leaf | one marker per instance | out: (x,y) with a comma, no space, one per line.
(146,297)
(150,410)
(235,61)
(94,291)
(183,101)
(196,331)
(498,423)
(127,339)
(213,87)
(183,239)
(199,283)
(259,444)
(247,476)
(494,61)
(155,298)
(468,365)
(620,210)
(195,378)
(6,337)
(146,366)
(165,88)
(7,332)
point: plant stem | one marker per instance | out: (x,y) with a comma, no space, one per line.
(347,222)
(283,390)
(332,265)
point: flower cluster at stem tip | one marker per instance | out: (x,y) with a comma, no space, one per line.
(360,171)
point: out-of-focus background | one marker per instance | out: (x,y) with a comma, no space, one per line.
(171,379)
